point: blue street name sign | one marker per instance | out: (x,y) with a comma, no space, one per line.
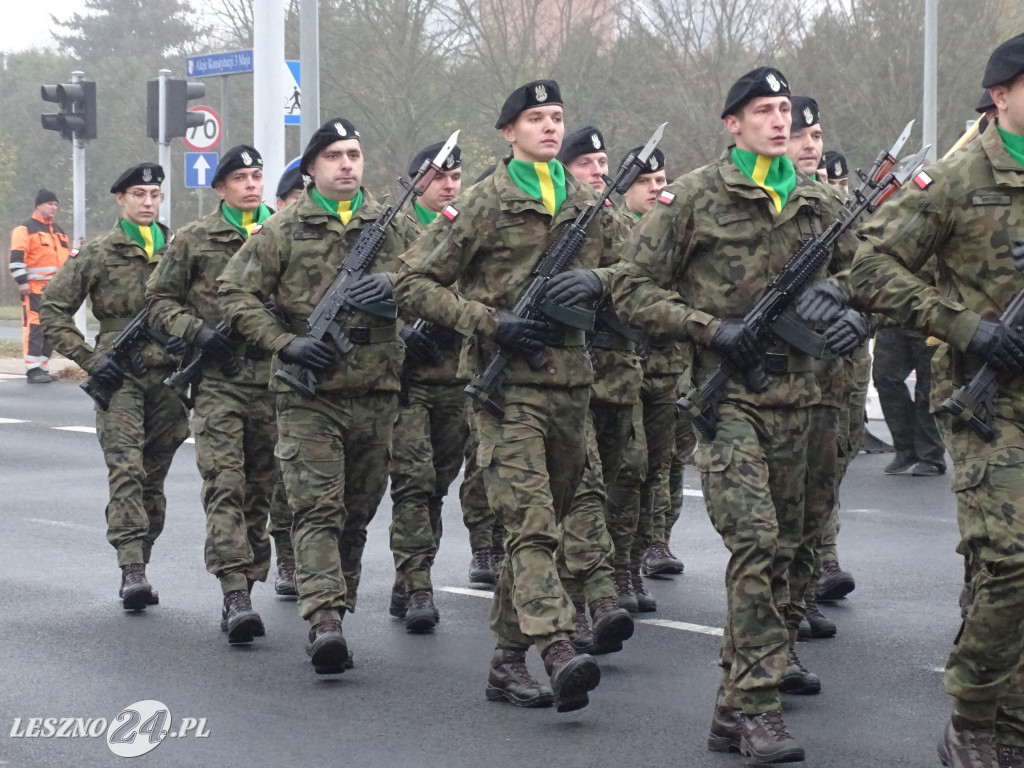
(228,63)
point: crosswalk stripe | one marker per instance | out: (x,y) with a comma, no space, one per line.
(684,626)
(464,591)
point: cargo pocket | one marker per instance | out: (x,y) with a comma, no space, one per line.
(712,460)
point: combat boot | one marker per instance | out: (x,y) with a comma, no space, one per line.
(834,583)
(136,592)
(726,730)
(581,637)
(624,589)
(238,618)
(284,584)
(765,739)
(966,744)
(327,649)
(815,624)
(509,680)
(481,570)
(421,615)
(900,464)
(644,600)
(612,625)
(572,675)
(658,560)
(399,598)
(1010,757)
(797,679)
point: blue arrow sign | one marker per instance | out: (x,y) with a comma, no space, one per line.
(200,168)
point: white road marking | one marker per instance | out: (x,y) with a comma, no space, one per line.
(63,524)
(692,492)
(13,421)
(88,430)
(470,592)
(684,626)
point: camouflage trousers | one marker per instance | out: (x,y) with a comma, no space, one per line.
(485,530)
(983,673)
(686,444)
(850,435)
(585,546)
(819,507)
(235,429)
(532,461)
(427,448)
(753,476)
(641,490)
(139,434)
(335,452)
(280,525)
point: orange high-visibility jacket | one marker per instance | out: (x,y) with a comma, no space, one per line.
(37,250)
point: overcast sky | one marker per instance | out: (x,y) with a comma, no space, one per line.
(27,24)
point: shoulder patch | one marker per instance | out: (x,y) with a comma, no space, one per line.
(450,212)
(72,254)
(666,198)
(256,229)
(923,180)
(607,202)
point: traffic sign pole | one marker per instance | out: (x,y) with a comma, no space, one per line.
(165,149)
(78,195)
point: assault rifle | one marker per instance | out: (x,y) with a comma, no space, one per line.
(486,388)
(973,403)
(126,352)
(323,321)
(769,316)
(184,381)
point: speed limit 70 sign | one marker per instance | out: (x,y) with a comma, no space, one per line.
(205,136)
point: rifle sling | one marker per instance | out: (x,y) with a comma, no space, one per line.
(573,317)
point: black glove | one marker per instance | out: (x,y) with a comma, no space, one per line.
(519,334)
(847,333)
(107,373)
(736,344)
(310,353)
(369,289)
(419,347)
(175,345)
(822,302)
(1018,255)
(214,343)
(998,346)
(573,286)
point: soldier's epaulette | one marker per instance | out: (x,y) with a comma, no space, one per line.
(666,198)
(923,180)
(450,212)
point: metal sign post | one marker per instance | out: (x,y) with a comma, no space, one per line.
(165,148)
(78,195)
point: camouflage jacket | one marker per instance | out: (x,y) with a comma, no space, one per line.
(111,271)
(182,291)
(966,210)
(707,251)
(487,252)
(295,256)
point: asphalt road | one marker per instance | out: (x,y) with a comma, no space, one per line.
(67,649)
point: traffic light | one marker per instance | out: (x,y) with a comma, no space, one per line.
(77,116)
(178,94)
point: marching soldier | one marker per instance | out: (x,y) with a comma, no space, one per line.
(968,211)
(698,261)
(836,171)
(289,188)
(233,420)
(431,431)
(531,459)
(333,447)
(145,422)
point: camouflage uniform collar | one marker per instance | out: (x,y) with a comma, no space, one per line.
(1005,169)
(309,210)
(514,200)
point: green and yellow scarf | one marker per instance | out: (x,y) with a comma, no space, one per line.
(424,215)
(150,239)
(542,181)
(245,221)
(1014,144)
(343,209)
(775,175)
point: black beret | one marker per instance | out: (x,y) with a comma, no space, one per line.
(763,81)
(291,179)
(338,129)
(454,159)
(143,173)
(539,93)
(805,113)
(242,156)
(45,196)
(1005,63)
(585,141)
(835,165)
(655,163)
(985,103)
